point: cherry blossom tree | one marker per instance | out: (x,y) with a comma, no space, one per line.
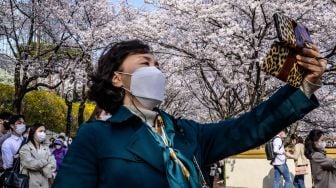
(214,50)
(36,45)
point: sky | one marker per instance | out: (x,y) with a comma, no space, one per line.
(137,3)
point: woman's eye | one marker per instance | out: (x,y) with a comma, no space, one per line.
(145,63)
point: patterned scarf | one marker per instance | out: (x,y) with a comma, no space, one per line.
(180,171)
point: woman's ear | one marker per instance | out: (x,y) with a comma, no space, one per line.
(116,80)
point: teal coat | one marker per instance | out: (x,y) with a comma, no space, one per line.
(121,152)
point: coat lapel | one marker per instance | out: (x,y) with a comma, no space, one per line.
(141,143)
(34,151)
(144,146)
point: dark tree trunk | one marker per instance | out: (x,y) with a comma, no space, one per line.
(81,112)
(69,118)
(17,102)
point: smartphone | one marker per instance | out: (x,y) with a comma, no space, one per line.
(291,33)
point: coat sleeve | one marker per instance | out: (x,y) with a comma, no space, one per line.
(29,162)
(79,167)
(252,129)
(7,156)
(51,165)
(325,162)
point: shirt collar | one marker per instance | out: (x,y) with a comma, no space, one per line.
(16,137)
(123,114)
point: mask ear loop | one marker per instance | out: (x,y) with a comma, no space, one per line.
(132,99)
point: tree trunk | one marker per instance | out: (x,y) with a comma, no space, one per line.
(17,102)
(81,112)
(17,89)
(82,107)
(69,118)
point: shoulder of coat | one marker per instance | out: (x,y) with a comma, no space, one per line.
(318,155)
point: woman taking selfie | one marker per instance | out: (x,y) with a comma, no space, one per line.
(142,146)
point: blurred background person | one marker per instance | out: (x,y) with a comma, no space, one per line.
(4,134)
(301,162)
(323,168)
(36,160)
(59,152)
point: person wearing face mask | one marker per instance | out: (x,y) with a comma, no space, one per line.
(280,161)
(4,134)
(26,133)
(99,114)
(35,158)
(69,141)
(59,152)
(323,168)
(10,146)
(4,127)
(165,151)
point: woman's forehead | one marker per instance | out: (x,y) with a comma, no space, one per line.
(134,59)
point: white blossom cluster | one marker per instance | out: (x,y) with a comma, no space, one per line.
(211,51)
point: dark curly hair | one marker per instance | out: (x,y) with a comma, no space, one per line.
(310,146)
(101,90)
(5,116)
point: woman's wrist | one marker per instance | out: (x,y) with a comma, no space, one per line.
(308,87)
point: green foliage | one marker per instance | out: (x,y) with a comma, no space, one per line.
(89,107)
(44,107)
(6,97)
(47,49)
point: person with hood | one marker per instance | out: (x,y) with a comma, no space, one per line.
(59,152)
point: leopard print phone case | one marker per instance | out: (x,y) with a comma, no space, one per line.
(281,63)
(290,32)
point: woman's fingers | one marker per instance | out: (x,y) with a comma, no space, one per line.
(315,67)
(308,60)
(311,60)
(310,67)
(312,46)
(310,52)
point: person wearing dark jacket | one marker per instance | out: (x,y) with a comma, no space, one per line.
(142,146)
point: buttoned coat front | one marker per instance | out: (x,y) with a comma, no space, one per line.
(37,164)
(121,152)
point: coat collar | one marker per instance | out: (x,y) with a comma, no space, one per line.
(34,150)
(141,143)
(121,115)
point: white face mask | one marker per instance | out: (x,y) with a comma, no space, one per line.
(322,145)
(41,136)
(20,128)
(148,86)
